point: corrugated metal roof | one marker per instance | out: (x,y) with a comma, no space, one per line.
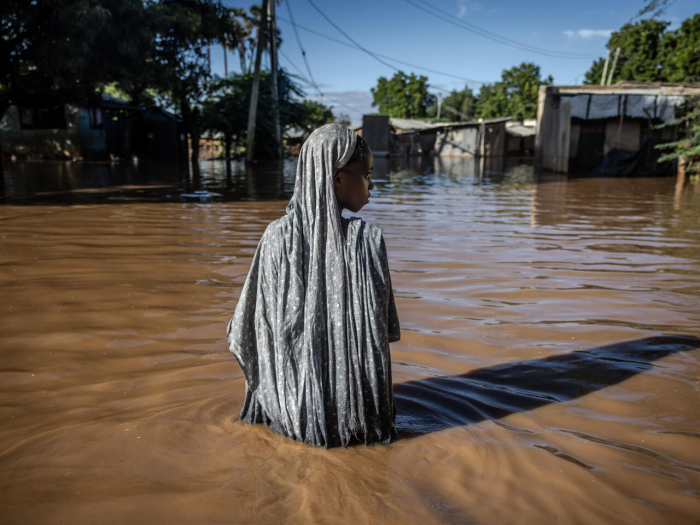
(633,88)
(521,131)
(409,124)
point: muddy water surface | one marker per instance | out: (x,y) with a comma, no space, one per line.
(548,370)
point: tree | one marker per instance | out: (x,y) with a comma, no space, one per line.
(458,105)
(226,110)
(642,54)
(515,95)
(682,52)
(69,51)
(344,119)
(688,146)
(182,31)
(48,48)
(404,96)
(314,114)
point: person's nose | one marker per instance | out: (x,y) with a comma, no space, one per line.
(371,185)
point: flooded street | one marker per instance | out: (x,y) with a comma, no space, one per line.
(548,370)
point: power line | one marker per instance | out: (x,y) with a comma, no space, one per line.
(314,85)
(327,37)
(301,48)
(449,18)
(349,37)
(370,53)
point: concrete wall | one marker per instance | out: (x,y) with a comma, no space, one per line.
(39,143)
(553,142)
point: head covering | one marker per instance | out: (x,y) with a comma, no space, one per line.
(294,330)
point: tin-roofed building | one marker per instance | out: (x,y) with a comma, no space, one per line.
(577,126)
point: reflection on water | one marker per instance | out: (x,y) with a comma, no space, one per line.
(548,369)
(217,181)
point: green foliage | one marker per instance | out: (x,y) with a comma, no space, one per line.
(649,53)
(226,110)
(689,144)
(46,50)
(344,119)
(68,51)
(514,95)
(314,114)
(404,96)
(458,105)
(682,50)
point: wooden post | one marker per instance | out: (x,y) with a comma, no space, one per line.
(605,68)
(482,138)
(612,70)
(273,79)
(250,142)
(564,137)
(619,123)
(225,59)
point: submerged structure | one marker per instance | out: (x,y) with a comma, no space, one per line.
(577,126)
(399,137)
(112,128)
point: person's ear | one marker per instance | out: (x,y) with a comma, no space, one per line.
(336,176)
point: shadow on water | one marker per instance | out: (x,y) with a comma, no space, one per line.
(438,403)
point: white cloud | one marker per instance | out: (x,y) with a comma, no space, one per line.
(468,6)
(588,33)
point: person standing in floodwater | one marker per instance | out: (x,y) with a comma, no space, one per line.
(313,324)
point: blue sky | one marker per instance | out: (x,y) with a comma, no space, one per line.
(397,29)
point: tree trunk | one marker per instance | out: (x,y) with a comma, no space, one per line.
(227,153)
(4,106)
(241,56)
(190,116)
(227,146)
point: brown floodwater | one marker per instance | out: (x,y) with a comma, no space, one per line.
(548,370)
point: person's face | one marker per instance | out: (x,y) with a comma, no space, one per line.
(352,184)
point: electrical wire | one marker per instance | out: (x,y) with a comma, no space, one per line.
(301,75)
(301,48)
(370,53)
(355,45)
(449,18)
(327,37)
(349,37)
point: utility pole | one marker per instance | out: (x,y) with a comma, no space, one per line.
(273,79)
(612,70)
(223,44)
(250,144)
(605,69)
(439,104)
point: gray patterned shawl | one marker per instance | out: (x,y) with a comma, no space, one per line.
(313,324)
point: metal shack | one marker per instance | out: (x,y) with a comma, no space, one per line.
(396,137)
(399,137)
(578,125)
(476,138)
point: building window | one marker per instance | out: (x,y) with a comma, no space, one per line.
(52,117)
(95,115)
